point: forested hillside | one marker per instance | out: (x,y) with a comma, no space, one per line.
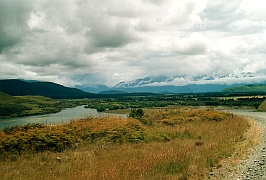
(17,87)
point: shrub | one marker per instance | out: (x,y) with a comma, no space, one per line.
(136,113)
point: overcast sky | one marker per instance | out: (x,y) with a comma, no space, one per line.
(75,42)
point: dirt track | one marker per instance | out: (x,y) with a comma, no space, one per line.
(254,167)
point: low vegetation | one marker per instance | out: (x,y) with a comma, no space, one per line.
(262,106)
(161,144)
(17,106)
(213,99)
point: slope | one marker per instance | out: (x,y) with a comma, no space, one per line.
(261,88)
(262,106)
(17,87)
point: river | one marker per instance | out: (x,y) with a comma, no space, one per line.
(63,116)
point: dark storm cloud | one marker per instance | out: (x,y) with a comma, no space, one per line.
(115,35)
(13,21)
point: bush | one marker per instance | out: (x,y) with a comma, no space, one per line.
(136,113)
(38,138)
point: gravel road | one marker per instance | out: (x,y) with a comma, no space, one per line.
(254,167)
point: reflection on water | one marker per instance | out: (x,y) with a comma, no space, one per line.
(62,117)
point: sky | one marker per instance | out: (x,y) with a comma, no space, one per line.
(89,42)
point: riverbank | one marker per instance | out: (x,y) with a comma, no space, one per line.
(63,116)
(23,106)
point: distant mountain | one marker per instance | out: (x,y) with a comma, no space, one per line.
(168,89)
(15,87)
(143,81)
(260,88)
(153,84)
(113,92)
(93,89)
(190,88)
(30,81)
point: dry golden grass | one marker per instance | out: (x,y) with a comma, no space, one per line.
(229,167)
(178,144)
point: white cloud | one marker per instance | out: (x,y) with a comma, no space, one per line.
(106,42)
(196,43)
(254,9)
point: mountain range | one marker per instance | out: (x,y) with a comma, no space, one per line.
(154,85)
(19,87)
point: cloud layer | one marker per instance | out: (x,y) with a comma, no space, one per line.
(86,42)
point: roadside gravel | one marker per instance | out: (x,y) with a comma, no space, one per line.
(254,166)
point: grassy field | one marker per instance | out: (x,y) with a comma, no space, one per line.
(4,98)
(13,106)
(171,144)
(37,104)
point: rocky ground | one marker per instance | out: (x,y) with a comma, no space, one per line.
(254,167)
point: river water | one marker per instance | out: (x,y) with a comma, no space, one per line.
(63,116)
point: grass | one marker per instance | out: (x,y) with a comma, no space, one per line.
(262,106)
(175,144)
(252,139)
(5,98)
(260,88)
(37,104)
(39,99)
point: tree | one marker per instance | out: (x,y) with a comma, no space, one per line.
(136,113)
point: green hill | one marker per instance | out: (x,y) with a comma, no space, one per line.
(11,106)
(16,106)
(262,106)
(7,99)
(15,87)
(113,92)
(261,88)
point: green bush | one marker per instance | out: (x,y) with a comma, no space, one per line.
(136,113)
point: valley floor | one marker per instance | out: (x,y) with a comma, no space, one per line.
(168,144)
